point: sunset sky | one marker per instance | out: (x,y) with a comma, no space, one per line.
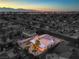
(54,5)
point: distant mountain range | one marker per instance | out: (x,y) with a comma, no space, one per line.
(16,10)
(30,10)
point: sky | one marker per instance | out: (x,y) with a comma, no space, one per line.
(49,5)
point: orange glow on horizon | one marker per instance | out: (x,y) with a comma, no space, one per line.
(28,6)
